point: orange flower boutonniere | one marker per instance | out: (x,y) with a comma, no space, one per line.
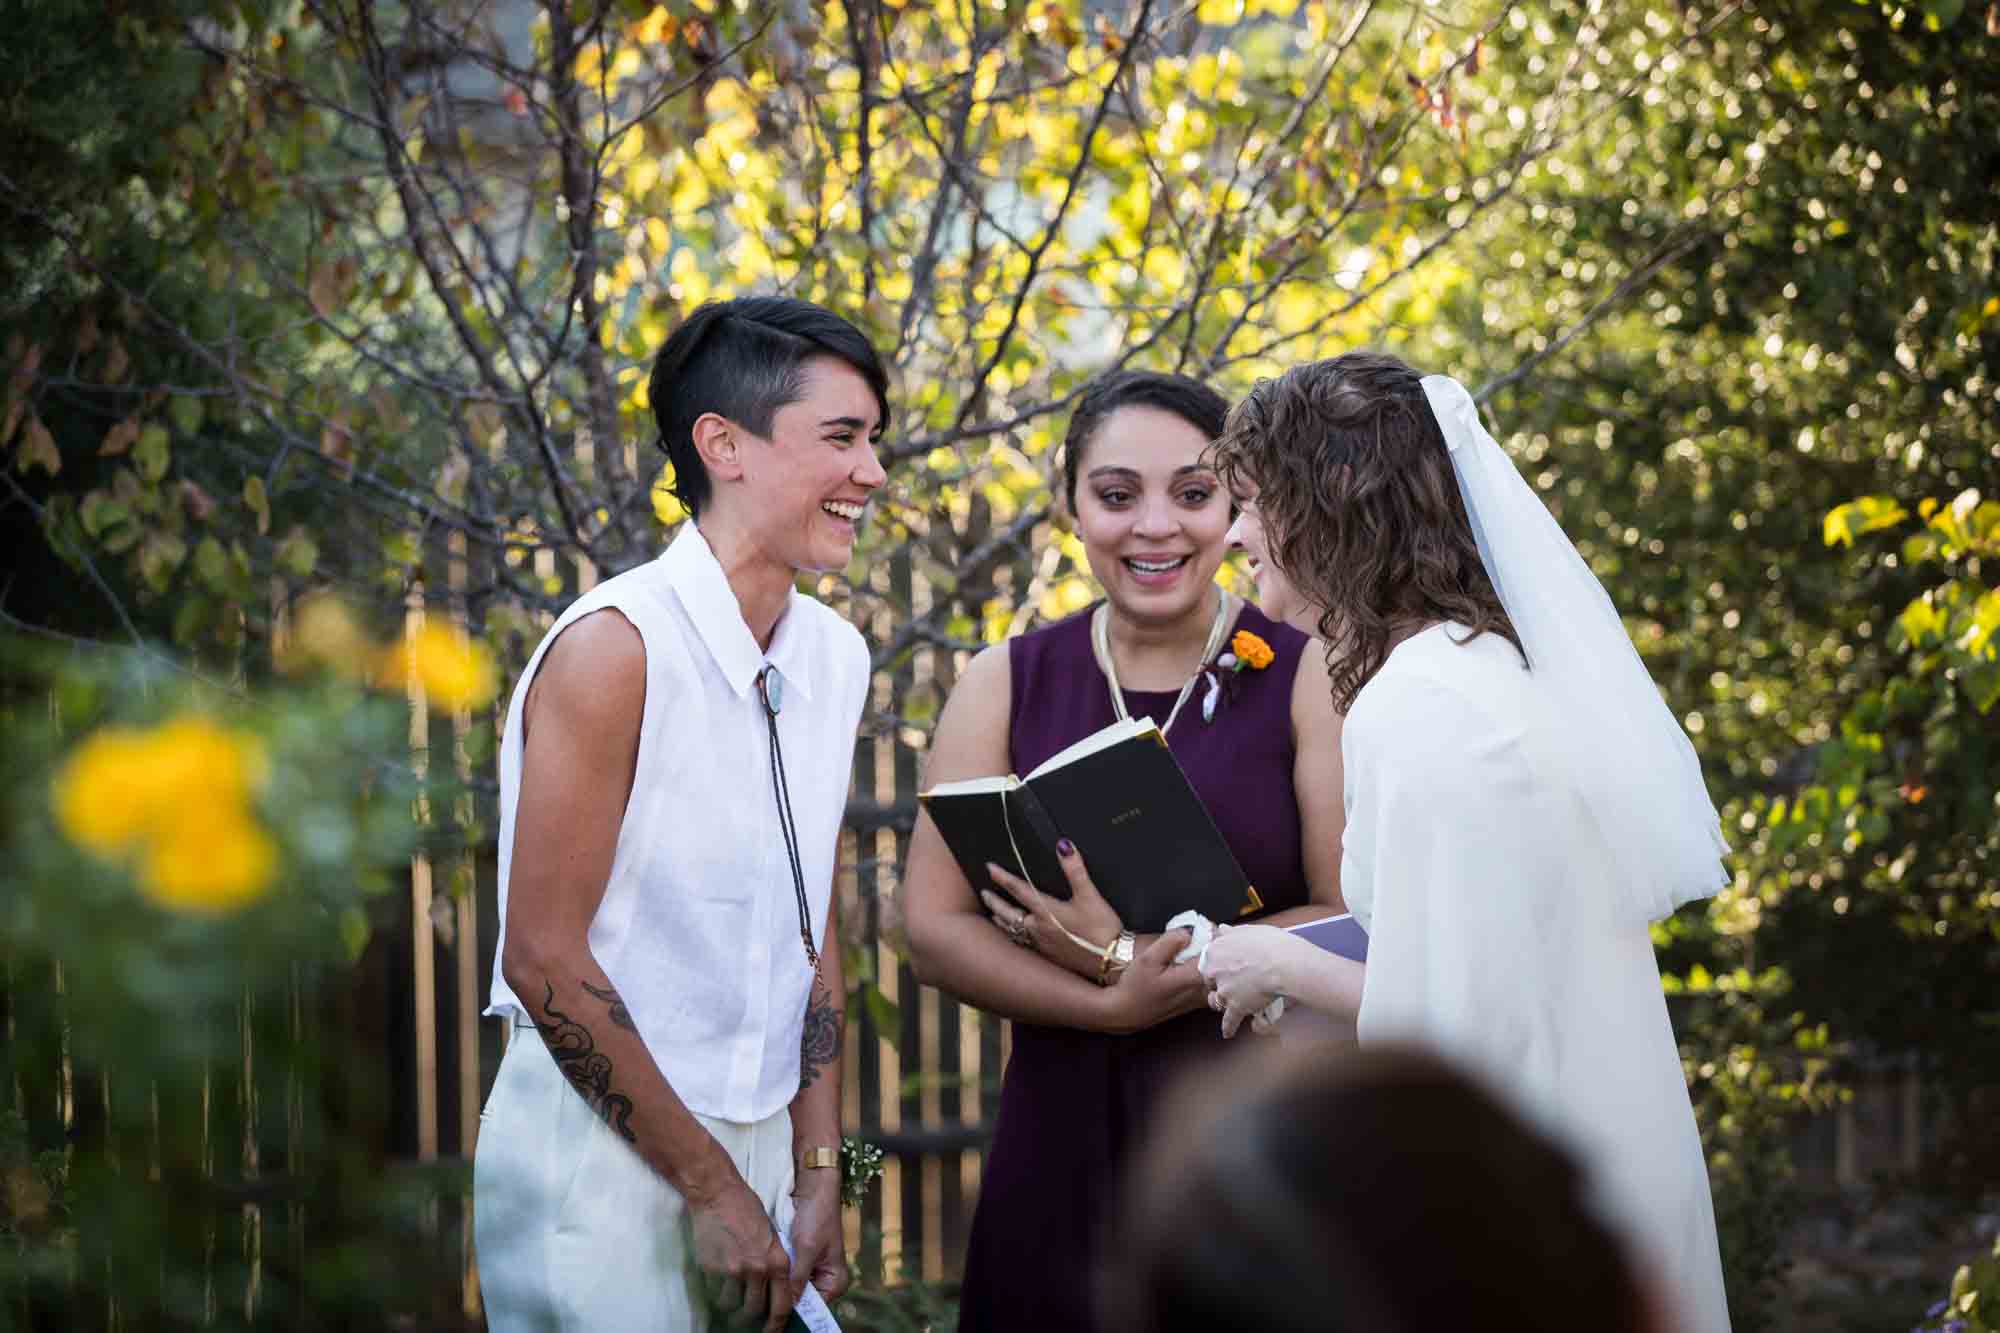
(1247,650)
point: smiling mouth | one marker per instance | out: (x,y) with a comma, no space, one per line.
(843,510)
(1164,566)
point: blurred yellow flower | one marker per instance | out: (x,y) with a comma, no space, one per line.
(106,795)
(325,633)
(194,758)
(455,671)
(178,797)
(213,859)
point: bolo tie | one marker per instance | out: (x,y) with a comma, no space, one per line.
(770,690)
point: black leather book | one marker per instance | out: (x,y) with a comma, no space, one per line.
(1122,798)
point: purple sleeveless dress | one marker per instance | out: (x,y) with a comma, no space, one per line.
(1074,1104)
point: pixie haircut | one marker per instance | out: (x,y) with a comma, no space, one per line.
(1189,399)
(1360,506)
(743,360)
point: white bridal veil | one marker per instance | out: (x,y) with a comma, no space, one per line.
(1632,764)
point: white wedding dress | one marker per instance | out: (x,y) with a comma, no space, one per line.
(1480,879)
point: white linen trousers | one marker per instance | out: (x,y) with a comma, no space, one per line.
(574,1232)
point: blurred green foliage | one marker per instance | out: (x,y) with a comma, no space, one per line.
(193,1139)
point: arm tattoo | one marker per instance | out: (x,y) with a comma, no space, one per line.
(620,1015)
(821,1040)
(587,1069)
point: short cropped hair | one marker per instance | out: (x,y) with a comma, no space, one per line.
(743,360)
(1189,399)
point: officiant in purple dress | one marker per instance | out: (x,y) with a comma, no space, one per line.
(1104,1019)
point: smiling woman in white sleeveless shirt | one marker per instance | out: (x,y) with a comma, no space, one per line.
(661,1147)
(697,931)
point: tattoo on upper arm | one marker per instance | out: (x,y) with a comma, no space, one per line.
(587,1068)
(820,1042)
(620,1015)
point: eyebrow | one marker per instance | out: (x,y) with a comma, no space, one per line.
(1113,470)
(849,423)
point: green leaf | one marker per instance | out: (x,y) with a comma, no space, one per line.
(1982,685)
(353,932)
(159,556)
(151,453)
(188,621)
(297,554)
(99,512)
(185,413)
(884,1014)
(260,503)
(211,562)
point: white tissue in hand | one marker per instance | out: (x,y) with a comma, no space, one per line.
(1203,931)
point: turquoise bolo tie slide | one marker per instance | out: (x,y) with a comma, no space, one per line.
(773,687)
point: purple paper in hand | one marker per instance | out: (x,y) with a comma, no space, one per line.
(1341,934)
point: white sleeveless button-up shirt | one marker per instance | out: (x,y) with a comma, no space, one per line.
(699,927)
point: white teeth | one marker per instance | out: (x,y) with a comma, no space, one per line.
(841,509)
(1156,566)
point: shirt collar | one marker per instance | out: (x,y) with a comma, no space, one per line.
(697,579)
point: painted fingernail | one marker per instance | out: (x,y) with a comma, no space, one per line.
(1064,847)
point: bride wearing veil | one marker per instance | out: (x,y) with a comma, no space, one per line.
(1520,802)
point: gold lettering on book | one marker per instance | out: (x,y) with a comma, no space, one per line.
(1133,813)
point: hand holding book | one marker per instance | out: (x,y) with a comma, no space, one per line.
(1156,985)
(1072,933)
(1119,794)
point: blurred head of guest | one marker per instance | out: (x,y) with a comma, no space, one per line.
(1380,1191)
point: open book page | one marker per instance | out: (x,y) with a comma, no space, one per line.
(1117,733)
(974,786)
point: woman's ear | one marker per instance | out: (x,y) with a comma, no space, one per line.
(715,440)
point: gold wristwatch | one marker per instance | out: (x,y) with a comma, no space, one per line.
(1117,957)
(813,1158)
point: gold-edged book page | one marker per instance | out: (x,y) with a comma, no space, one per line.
(1116,734)
(993,786)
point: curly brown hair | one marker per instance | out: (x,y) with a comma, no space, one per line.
(1361,507)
